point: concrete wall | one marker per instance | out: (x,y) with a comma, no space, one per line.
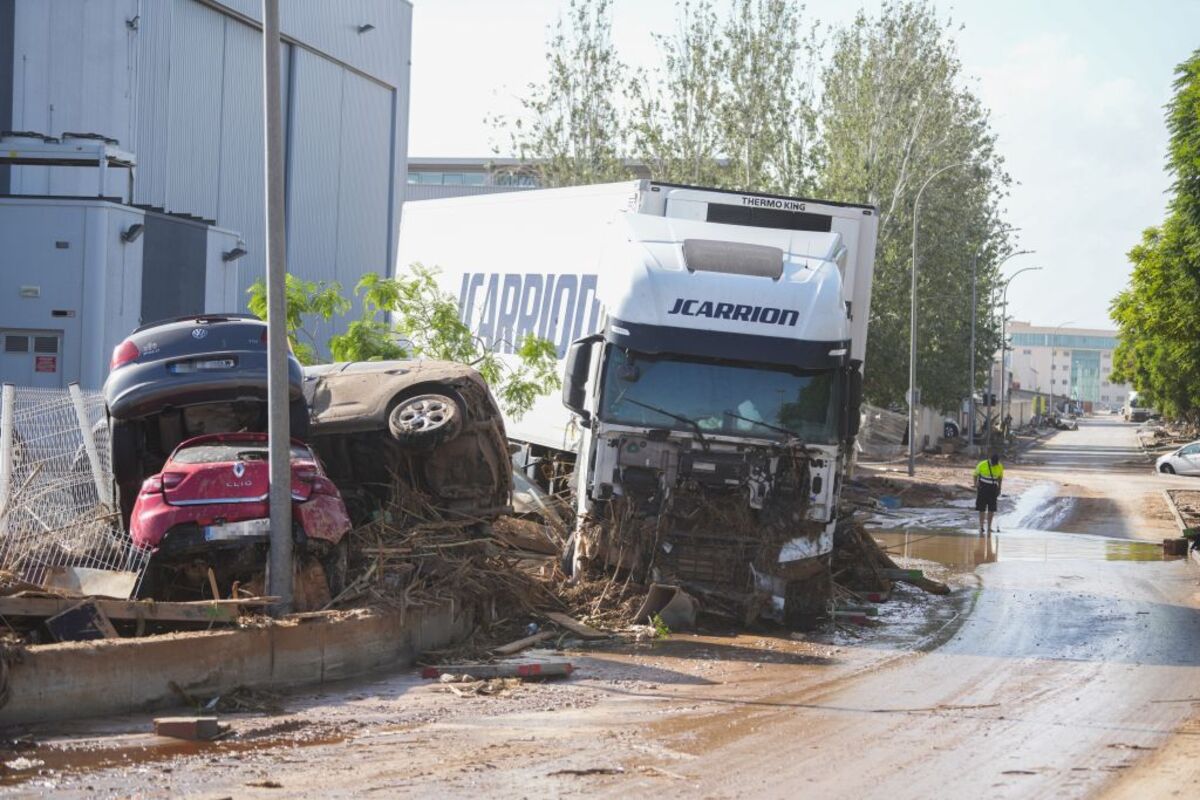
(88,679)
(180,87)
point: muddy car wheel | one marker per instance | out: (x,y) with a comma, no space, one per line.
(126,443)
(425,421)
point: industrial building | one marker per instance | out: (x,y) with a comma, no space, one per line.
(1068,363)
(177,86)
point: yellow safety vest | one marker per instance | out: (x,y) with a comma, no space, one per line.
(989,474)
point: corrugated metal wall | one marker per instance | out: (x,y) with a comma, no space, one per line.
(181,88)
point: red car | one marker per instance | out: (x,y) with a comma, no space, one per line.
(208,509)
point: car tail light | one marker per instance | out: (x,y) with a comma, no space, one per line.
(166,480)
(324,486)
(263,341)
(306,474)
(124,353)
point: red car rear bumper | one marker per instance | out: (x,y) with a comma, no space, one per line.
(321,516)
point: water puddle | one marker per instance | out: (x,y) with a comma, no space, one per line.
(966,550)
(39,763)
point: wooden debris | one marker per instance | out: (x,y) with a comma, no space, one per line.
(520,644)
(83,621)
(576,627)
(221,611)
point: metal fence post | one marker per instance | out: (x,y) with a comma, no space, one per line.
(103,487)
(8,403)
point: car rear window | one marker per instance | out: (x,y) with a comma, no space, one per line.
(218,452)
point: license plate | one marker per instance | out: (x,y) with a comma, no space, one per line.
(237,530)
(184,367)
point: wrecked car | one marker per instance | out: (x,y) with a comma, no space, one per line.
(171,381)
(209,508)
(432,426)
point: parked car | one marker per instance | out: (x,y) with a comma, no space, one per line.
(1184,461)
(383,426)
(208,508)
(171,381)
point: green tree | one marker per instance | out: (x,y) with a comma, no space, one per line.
(425,324)
(1158,314)
(731,105)
(571,131)
(893,112)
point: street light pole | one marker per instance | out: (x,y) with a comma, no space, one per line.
(278,423)
(974,314)
(912,335)
(1004,338)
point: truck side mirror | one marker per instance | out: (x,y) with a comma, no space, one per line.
(854,399)
(575,373)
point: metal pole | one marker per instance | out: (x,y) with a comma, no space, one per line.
(8,403)
(974,314)
(279,567)
(912,333)
(1004,339)
(971,397)
(103,487)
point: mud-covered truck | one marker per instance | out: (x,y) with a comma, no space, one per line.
(712,345)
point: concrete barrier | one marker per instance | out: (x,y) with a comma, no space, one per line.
(75,680)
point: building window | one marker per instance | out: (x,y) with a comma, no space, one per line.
(1028,352)
(16,344)
(1054,366)
(474,179)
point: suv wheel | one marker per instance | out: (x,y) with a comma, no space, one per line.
(425,421)
(126,442)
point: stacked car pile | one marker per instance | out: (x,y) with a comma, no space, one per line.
(186,404)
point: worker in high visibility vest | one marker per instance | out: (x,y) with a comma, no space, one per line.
(989,477)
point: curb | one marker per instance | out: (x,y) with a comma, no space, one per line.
(1193,555)
(77,680)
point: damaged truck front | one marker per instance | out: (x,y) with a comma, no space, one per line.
(712,347)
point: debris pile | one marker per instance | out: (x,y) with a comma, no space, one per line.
(862,566)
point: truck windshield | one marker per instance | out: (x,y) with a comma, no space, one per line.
(722,398)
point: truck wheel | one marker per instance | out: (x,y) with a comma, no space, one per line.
(425,421)
(125,445)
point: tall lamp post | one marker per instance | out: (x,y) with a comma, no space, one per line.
(1053,351)
(1004,337)
(912,335)
(974,314)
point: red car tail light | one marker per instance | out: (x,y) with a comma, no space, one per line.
(166,480)
(124,353)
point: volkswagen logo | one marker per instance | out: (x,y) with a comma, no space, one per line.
(199,333)
(239,469)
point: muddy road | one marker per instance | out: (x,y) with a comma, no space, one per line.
(1066,663)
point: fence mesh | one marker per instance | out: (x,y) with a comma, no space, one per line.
(56,514)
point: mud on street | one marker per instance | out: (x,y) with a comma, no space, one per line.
(1065,662)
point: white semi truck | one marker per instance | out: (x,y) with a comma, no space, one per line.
(712,345)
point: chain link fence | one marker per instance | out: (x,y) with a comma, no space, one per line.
(56,504)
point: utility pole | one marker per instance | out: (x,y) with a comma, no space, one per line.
(912,336)
(278,422)
(1004,338)
(974,314)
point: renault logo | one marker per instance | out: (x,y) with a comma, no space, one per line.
(239,469)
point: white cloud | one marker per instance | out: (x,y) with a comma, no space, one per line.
(1085,147)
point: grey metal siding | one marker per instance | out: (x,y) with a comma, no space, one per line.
(153,98)
(364,184)
(8,10)
(194,157)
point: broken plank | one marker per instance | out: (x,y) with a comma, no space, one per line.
(81,622)
(535,669)
(521,644)
(574,626)
(122,609)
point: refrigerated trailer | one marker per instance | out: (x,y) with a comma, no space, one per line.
(712,346)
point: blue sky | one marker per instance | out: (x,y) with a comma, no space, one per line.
(1076,91)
